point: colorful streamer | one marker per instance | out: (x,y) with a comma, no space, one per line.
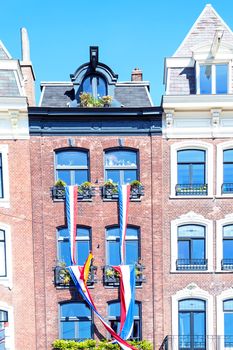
(124,194)
(71,194)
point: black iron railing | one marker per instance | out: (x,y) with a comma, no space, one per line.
(111,192)
(111,277)
(227,264)
(58,193)
(197,342)
(192,190)
(227,187)
(62,277)
(191,264)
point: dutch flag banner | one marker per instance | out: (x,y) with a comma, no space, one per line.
(71,194)
(124,194)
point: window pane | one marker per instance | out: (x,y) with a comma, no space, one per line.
(2,259)
(72,158)
(221,78)
(228,231)
(131,252)
(64,252)
(65,176)
(114,309)
(228,249)
(75,310)
(228,173)
(199,325)
(68,330)
(121,159)
(87,86)
(83,232)
(113,255)
(1,179)
(228,155)
(3,316)
(205,79)
(183,250)
(183,174)
(63,232)
(80,177)
(228,322)
(228,305)
(129,176)
(83,249)
(191,231)
(131,232)
(84,330)
(198,249)
(113,175)
(101,87)
(113,232)
(198,174)
(191,156)
(191,304)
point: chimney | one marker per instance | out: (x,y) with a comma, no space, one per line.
(136,75)
(27,69)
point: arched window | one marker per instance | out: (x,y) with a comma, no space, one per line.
(75,321)
(114,318)
(83,245)
(192,324)
(3,257)
(228,322)
(191,172)
(227,261)
(191,248)
(72,166)
(95,85)
(121,166)
(227,186)
(113,245)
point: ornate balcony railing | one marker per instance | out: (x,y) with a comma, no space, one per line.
(58,193)
(191,264)
(62,277)
(227,188)
(192,190)
(197,342)
(111,192)
(227,264)
(111,277)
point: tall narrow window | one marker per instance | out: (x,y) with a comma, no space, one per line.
(83,245)
(114,319)
(75,321)
(95,85)
(113,246)
(227,186)
(191,176)
(3,271)
(72,166)
(205,79)
(192,324)
(121,166)
(227,261)
(228,322)
(3,320)
(191,248)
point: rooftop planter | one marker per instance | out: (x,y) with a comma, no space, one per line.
(85,191)
(110,190)
(111,276)
(62,276)
(88,101)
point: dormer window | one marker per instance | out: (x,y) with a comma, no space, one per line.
(213,78)
(95,85)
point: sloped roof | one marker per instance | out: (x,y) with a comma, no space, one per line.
(126,94)
(204,30)
(8,83)
(4,54)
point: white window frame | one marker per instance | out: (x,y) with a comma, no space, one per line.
(228,220)
(186,145)
(7,280)
(221,147)
(213,72)
(226,294)
(5,201)
(191,291)
(9,331)
(192,218)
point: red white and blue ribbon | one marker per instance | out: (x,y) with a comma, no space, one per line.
(76,274)
(127,298)
(124,194)
(71,194)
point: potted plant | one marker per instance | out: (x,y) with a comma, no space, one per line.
(60,183)
(110,189)
(85,189)
(64,275)
(107,100)
(58,190)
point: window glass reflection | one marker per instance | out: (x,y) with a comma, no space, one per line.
(221,78)
(205,79)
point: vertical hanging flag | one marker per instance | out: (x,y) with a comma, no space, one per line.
(71,193)
(127,298)
(76,273)
(124,194)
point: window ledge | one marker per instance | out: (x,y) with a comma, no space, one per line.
(191,271)
(4,203)
(191,197)
(230,195)
(6,282)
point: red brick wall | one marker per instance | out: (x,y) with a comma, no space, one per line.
(97,214)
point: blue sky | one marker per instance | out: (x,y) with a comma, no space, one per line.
(129,33)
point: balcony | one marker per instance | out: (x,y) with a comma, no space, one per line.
(62,277)
(191,264)
(197,342)
(111,277)
(227,188)
(111,192)
(227,264)
(58,193)
(191,190)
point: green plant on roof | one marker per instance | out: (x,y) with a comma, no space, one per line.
(87,100)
